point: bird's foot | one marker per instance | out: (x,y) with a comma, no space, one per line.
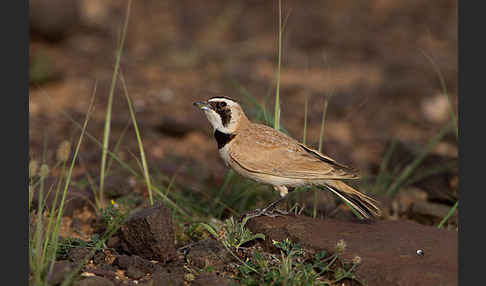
(270,212)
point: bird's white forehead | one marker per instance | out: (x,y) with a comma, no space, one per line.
(223,99)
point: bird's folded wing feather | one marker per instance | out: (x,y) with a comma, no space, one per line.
(271,152)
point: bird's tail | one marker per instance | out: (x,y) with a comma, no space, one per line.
(365,205)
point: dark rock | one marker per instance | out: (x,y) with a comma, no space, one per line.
(53,19)
(99,257)
(170,276)
(437,185)
(206,278)
(59,272)
(134,273)
(104,270)
(134,261)
(78,254)
(94,281)
(388,248)
(149,234)
(430,213)
(176,128)
(208,252)
(113,242)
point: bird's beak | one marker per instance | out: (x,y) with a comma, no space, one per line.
(202,105)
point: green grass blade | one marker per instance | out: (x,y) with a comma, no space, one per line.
(407,172)
(448,215)
(383,167)
(106,133)
(323,121)
(276,117)
(227,180)
(67,182)
(139,139)
(306,108)
(321,139)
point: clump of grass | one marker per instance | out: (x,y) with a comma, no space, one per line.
(233,234)
(44,235)
(294,267)
(113,218)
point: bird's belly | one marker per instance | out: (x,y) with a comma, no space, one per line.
(265,178)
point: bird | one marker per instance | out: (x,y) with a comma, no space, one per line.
(266,155)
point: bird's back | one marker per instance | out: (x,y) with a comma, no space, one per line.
(261,149)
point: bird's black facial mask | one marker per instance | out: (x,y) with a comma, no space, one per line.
(223,110)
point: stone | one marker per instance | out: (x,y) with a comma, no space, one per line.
(388,248)
(206,278)
(78,254)
(170,276)
(208,252)
(134,261)
(148,233)
(59,272)
(134,273)
(94,281)
(54,19)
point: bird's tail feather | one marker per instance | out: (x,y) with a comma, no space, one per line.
(365,205)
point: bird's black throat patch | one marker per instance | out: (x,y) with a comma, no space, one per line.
(223,138)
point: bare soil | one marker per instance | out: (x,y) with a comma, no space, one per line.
(370,59)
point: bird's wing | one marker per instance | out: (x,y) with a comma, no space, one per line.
(264,150)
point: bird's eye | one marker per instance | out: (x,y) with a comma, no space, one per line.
(222,104)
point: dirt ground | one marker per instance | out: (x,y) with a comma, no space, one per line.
(380,64)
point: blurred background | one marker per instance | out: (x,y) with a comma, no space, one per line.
(388,70)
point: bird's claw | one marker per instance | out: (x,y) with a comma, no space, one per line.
(272,212)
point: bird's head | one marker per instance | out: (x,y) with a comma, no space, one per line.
(224,113)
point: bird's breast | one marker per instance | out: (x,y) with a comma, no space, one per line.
(224,153)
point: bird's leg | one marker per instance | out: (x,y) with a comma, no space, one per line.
(271,210)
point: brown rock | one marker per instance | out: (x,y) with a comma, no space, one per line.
(170,276)
(94,281)
(78,254)
(134,261)
(388,248)
(212,279)
(430,213)
(53,19)
(59,272)
(149,234)
(208,252)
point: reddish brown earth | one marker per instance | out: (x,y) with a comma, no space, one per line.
(369,56)
(388,248)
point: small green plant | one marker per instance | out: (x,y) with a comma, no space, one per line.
(233,234)
(112,215)
(40,69)
(66,244)
(295,267)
